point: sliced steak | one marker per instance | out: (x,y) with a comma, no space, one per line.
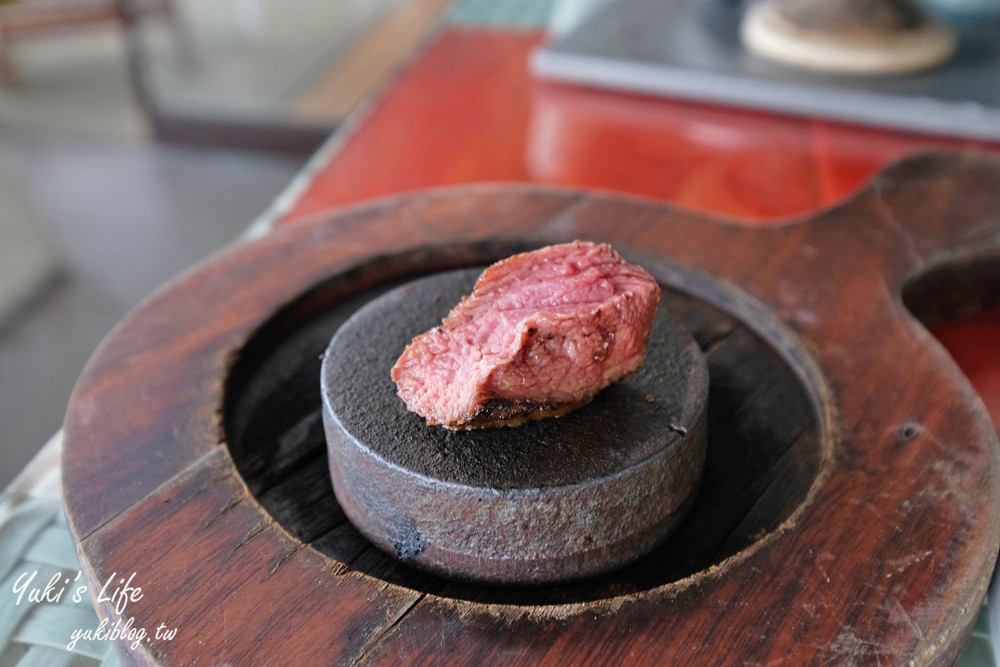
(541,334)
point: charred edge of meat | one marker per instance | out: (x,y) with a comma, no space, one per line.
(506,412)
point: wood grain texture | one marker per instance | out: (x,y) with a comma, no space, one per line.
(884,558)
(202,533)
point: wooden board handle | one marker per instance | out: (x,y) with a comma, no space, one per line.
(943,205)
(940,207)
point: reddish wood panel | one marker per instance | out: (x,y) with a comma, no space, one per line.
(740,163)
(849,155)
(974,342)
(427,127)
(468,109)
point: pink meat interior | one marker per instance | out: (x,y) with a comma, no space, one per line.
(540,330)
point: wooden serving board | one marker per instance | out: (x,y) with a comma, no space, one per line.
(849,513)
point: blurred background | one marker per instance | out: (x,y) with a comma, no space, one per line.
(138,137)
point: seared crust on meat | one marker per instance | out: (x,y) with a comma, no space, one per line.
(540,335)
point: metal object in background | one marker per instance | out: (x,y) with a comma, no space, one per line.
(691,49)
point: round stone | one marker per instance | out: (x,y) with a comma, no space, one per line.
(552,500)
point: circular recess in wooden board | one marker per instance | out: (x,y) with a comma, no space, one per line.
(191,441)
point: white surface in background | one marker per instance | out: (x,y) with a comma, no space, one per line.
(567,14)
(27,261)
(247,59)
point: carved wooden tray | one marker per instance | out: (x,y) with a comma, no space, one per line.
(850,510)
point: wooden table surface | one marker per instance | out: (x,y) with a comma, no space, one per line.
(467,109)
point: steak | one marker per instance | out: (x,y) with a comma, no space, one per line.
(541,334)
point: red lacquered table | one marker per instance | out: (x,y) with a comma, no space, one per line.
(467,109)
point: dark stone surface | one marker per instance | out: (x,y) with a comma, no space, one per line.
(547,501)
(618,429)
